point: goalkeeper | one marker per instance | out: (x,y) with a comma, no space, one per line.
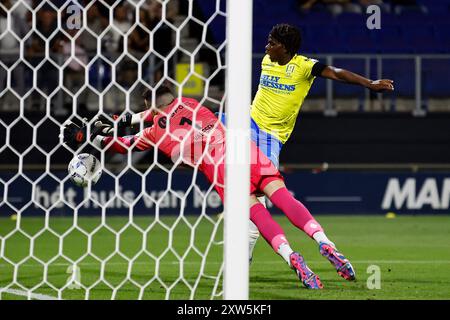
(190,133)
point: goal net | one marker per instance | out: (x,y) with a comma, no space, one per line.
(149,229)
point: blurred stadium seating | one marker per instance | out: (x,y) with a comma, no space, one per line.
(412,48)
(422,31)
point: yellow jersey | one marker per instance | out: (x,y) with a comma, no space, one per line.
(280,95)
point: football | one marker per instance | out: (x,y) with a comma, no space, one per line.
(84,168)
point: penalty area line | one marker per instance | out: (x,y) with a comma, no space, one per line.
(22,293)
(267,262)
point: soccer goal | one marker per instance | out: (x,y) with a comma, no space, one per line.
(149,228)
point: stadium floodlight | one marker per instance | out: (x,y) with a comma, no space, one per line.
(103,256)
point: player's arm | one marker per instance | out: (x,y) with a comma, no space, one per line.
(339,74)
(125,121)
(130,120)
(100,136)
(119,144)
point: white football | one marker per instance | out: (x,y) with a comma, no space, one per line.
(84,168)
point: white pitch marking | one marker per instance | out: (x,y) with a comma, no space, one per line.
(22,293)
(261,262)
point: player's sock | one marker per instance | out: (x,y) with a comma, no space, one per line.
(296,212)
(253,235)
(285,251)
(321,237)
(271,231)
(253,232)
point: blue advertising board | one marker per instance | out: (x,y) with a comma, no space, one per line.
(332,192)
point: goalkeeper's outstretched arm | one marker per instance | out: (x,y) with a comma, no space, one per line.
(127,120)
(116,145)
(102,135)
(122,144)
(131,120)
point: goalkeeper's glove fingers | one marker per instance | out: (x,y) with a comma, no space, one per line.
(73,135)
(107,126)
(103,128)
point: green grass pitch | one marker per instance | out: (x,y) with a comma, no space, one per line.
(411,252)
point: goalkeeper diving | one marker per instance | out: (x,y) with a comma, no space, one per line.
(190,133)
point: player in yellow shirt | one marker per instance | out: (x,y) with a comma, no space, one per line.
(286,78)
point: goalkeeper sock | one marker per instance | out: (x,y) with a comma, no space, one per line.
(270,230)
(296,212)
(253,232)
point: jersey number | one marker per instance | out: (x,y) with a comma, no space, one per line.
(162,122)
(188,121)
(185,120)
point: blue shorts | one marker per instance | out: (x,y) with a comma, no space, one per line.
(266,142)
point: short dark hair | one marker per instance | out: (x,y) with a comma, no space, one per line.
(288,35)
(162,89)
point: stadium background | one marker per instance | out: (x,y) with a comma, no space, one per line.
(384,152)
(347,127)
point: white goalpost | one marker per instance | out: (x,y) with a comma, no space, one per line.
(149,229)
(238,83)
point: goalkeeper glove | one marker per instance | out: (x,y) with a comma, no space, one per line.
(107,126)
(74,135)
(123,121)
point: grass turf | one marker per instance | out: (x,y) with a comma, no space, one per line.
(411,252)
